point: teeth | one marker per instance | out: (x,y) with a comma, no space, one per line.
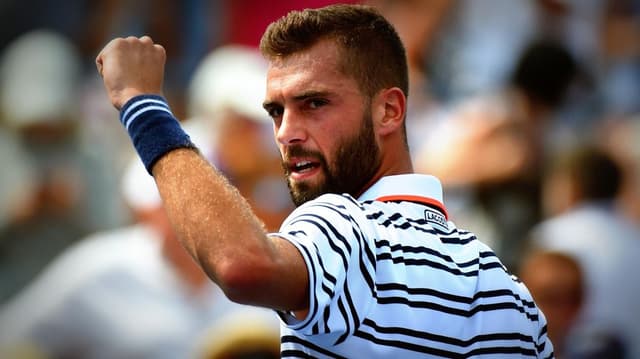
(302,164)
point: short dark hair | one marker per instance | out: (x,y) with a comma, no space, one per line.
(373,52)
(595,171)
(545,71)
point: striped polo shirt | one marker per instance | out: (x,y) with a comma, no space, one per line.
(391,277)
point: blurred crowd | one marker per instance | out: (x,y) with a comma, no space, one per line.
(528,111)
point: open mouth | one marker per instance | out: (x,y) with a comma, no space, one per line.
(299,169)
(303,166)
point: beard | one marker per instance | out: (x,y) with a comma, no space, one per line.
(356,160)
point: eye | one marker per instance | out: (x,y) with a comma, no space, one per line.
(274,111)
(316,103)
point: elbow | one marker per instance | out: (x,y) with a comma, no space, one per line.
(242,281)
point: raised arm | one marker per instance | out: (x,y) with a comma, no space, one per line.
(214,222)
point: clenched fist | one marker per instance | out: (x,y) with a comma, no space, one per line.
(131,66)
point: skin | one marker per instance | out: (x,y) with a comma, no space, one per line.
(314,106)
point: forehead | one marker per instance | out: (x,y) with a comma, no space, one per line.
(317,68)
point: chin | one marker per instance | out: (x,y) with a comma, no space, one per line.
(302,192)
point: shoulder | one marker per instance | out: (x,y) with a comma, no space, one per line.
(340,205)
(332,217)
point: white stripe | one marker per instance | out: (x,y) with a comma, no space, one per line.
(137,114)
(142,102)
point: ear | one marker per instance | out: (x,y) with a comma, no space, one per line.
(389,108)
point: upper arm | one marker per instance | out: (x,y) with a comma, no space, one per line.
(340,265)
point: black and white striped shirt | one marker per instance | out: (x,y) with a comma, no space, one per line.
(390,276)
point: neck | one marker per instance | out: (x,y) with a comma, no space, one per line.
(390,165)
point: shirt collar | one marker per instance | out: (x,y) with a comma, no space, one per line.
(419,188)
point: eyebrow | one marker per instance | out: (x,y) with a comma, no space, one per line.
(301,97)
(310,94)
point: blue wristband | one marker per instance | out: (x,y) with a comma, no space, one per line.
(152,127)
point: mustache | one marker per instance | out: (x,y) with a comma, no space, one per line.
(299,151)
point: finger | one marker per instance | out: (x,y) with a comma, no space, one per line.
(99,64)
(160,49)
(99,59)
(146,39)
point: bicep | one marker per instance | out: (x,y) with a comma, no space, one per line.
(291,281)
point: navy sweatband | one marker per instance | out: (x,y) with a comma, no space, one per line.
(152,127)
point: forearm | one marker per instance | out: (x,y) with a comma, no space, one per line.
(218,228)
(213,220)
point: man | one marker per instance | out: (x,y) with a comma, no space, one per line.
(556,282)
(368,264)
(580,192)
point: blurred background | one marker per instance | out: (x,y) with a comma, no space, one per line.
(528,111)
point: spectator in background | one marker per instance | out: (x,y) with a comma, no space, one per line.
(579,193)
(490,148)
(478,45)
(621,138)
(69,190)
(234,132)
(557,284)
(131,292)
(17,179)
(619,58)
(418,24)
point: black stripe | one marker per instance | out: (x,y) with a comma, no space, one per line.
(328,276)
(456,311)
(396,215)
(355,321)
(295,233)
(436,265)
(358,235)
(327,290)
(335,208)
(296,340)
(543,332)
(334,247)
(441,352)
(404,225)
(447,340)
(366,273)
(295,354)
(347,296)
(353,200)
(457,240)
(314,306)
(420,224)
(325,319)
(454,298)
(331,243)
(426,250)
(347,323)
(423,222)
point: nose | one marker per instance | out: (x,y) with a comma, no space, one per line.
(290,129)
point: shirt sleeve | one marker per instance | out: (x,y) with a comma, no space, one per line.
(340,258)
